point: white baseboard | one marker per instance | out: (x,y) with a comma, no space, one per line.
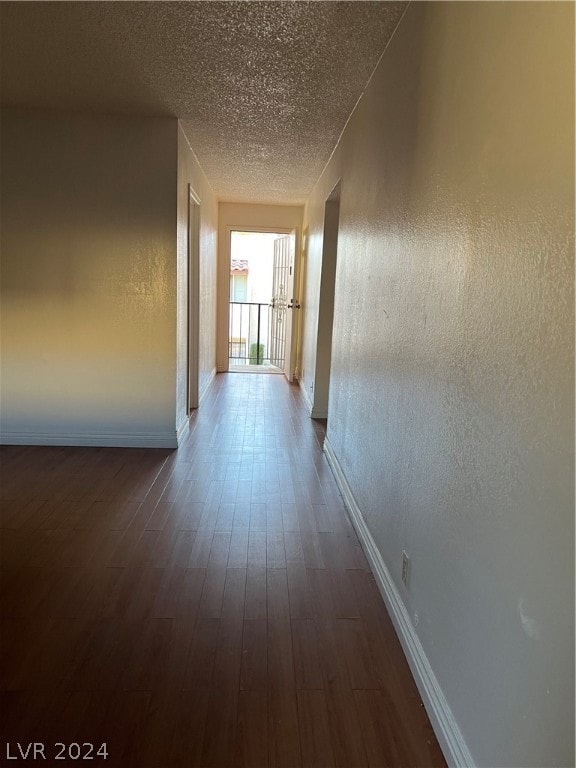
(443,722)
(96,440)
(305,395)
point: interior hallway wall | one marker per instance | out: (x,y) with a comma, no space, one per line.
(244,216)
(88,242)
(451,408)
(190,173)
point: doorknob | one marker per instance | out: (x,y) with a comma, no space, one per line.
(293,304)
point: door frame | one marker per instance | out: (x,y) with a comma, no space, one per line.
(326,303)
(225,291)
(193,303)
(302,269)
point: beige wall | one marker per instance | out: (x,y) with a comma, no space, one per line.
(88,244)
(248,216)
(190,173)
(451,404)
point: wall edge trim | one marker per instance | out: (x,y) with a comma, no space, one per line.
(95,440)
(443,722)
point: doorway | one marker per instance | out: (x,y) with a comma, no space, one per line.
(326,304)
(193,313)
(261,302)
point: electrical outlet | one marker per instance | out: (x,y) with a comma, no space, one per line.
(405,567)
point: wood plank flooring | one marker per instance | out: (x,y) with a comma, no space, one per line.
(209,606)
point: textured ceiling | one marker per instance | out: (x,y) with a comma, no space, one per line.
(263,89)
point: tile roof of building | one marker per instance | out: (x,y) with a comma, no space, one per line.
(239,265)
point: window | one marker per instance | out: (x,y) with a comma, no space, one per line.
(239,288)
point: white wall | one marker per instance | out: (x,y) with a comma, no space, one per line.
(244,216)
(190,173)
(88,245)
(451,409)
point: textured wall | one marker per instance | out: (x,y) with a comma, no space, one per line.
(88,246)
(189,172)
(451,401)
(249,216)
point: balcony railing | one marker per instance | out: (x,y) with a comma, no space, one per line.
(249,334)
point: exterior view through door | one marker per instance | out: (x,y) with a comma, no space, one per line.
(262,266)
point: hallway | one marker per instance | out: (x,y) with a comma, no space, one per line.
(206,607)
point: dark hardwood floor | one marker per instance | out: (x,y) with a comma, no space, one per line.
(209,606)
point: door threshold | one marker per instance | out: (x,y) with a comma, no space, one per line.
(266,368)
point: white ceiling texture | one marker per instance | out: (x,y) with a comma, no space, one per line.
(263,89)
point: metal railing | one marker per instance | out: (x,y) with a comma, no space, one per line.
(249,334)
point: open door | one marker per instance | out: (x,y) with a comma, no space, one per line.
(283,305)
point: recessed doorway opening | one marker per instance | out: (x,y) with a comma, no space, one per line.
(326,304)
(261,266)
